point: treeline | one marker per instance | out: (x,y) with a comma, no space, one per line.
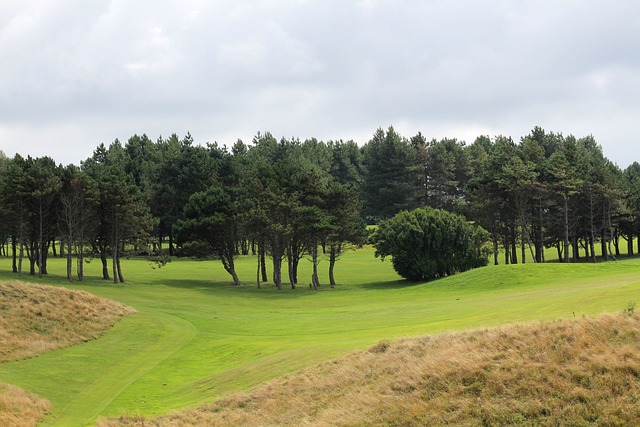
(546,191)
(282,199)
(286,199)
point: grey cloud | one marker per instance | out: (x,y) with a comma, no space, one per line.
(77,73)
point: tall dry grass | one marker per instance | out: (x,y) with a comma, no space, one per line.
(19,408)
(569,372)
(35,319)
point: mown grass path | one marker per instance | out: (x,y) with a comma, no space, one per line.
(172,334)
(195,339)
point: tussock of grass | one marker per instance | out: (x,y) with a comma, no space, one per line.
(569,372)
(19,408)
(36,318)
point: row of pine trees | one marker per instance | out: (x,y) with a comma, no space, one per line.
(286,199)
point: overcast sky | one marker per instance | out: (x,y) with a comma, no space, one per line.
(75,73)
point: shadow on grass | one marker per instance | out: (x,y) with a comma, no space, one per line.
(395,284)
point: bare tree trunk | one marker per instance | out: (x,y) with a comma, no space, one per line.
(314,260)
(114,249)
(69,260)
(566,228)
(40,242)
(14,255)
(258,272)
(80,261)
(114,267)
(277,272)
(20,257)
(105,265)
(119,267)
(290,267)
(263,262)
(332,263)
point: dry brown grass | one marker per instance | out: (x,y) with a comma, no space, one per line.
(35,319)
(570,372)
(19,408)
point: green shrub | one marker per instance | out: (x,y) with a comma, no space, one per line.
(428,243)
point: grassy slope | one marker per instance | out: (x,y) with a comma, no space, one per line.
(572,372)
(35,319)
(195,340)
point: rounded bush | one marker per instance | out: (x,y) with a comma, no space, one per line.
(427,243)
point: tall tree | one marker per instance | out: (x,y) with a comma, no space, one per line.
(392,175)
(209,228)
(124,218)
(44,184)
(77,217)
(348,229)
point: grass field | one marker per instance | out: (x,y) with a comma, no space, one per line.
(196,338)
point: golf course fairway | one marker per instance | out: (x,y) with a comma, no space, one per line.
(195,337)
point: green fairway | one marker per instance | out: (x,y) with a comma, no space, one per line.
(196,337)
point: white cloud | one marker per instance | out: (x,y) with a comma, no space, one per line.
(90,72)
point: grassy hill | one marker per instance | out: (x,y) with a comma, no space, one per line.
(571,372)
(196,339)
(35,319)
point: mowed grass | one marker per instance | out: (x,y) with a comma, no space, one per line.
(195,338)
(571,372)
(35,319)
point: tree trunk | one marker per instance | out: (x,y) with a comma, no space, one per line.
(114,267)
(20,257)
(105,264)
(576,249)
(314,260)
(14,255)
(258,273)
(69,260)
(40,242)
(236,280)
(80,261)
(119,267)
(277,272)
(228,264)
(566,228)
(332,263)
(291,269)
(263,261)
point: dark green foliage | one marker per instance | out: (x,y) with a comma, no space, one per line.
(392,175)
(209,228)
(429,243)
